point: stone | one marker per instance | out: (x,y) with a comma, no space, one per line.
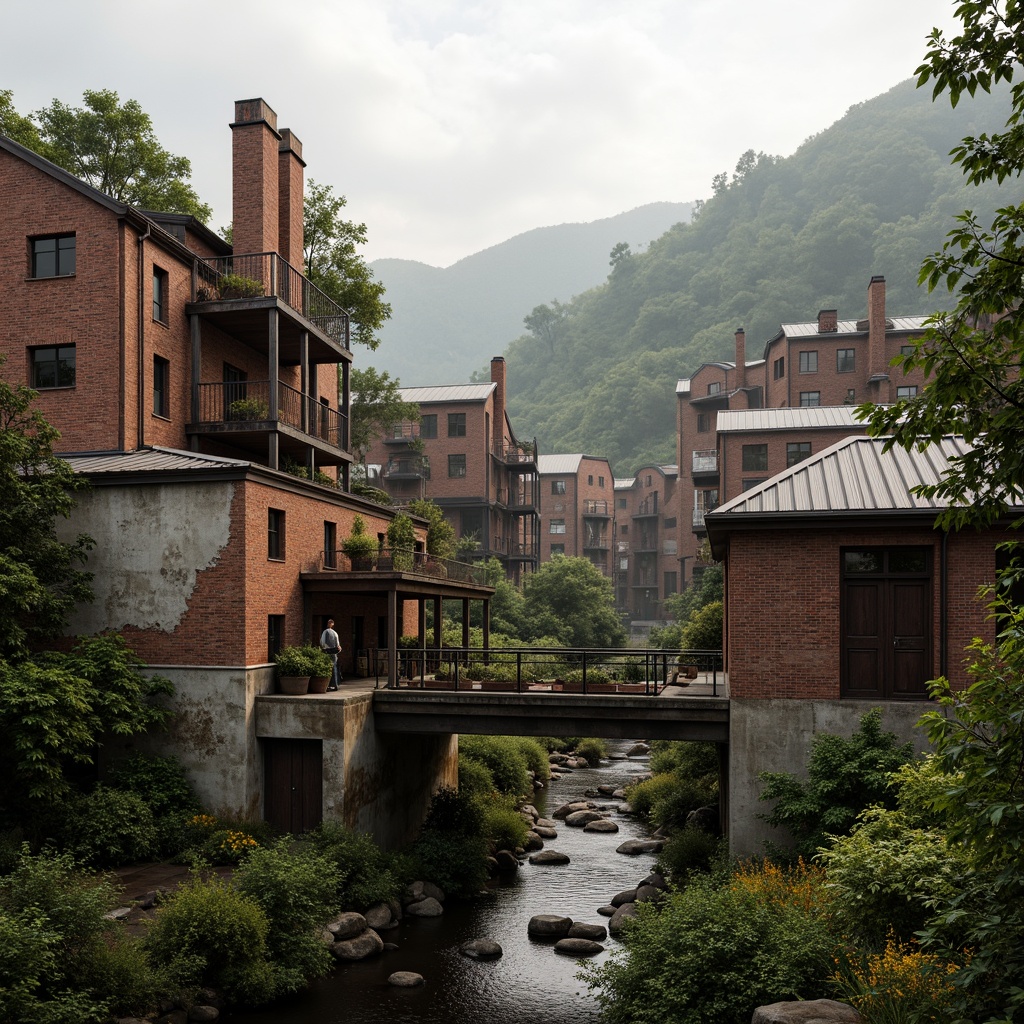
(638,750)
(577,819)
(405,979)
(202,1012)
(435,892)
(704,818)
(619,794)
(549,857)
(378,916)
(625,808)
(120,914)
(578,947)
(579,762)
(809,1011)
(657,879)
(633,847)
(601,825)
(649,894)
(606,790)
(530,810)
(557,758)
(346,926)
(608,911)
(567,809)
(368,943)
(594,932)
(426,907)
(506,861)
(534,841)
(617,756)
(390,947)
(549,926)
(622,914)
(174,1017)
(626,896)
(396,909)
(481,949)
(545,831)
(546,823)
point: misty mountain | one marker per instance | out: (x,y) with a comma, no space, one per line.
(447,322)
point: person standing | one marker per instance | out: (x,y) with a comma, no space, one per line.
(330,644)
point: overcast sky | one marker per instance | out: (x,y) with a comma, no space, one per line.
(452,125)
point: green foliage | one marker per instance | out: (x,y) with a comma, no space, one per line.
(475,779)
(334,265)
(361,871)
(692,851)
(237,286)
(844,776)
(213,840)
(644,796)
(401,536)
(359,544)
(504,757)
(109,827)
(377,408)
(162,783)
(593,749)
(703,632)
(210,933)
(451,850)
(440,533)
(711,955)
(503,825)
(685,758)
(304,660)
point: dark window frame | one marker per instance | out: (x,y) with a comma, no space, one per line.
(41,258)
(553,527)
(54,365)
(330,544)
(275,535)
(846,360)
(456,424)
(810,399)
(558,487)
(796,452)
(428,425)
(161,295)
(755,458)
(161,387)
(809,361)
(456,469)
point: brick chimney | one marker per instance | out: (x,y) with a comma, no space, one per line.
(741,358)
(828,321)
(254,158)
(290,195)
(878,368)
(498,378)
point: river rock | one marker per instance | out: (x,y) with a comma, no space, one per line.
(390,947)
(594,932)
(619,794)
(633,847)
(638,750)
(427,907)
(405,979)
(416,891)
(346,926)
(577,819)
(608,911)
(579,762)
(626,896)
(378,916)
(601,825)
(506,861)
(546,823)
(557,758)
(567,809)
(606,790)
(202,1012)
(549,857)
(530,810)
(549,926)
(546,831)
(534,841)
(622,914)
(578,947)
(809,1011)
(625,808)
(704,818)
(648,894)
(481,949)
(368,943)
(657,879)
(617,756)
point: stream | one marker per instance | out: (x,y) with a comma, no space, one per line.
(530,981)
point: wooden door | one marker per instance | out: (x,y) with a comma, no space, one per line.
(293,784)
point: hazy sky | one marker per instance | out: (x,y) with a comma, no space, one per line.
(452,125)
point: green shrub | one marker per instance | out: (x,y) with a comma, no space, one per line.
(451,850)
(688,759)
(109,827)
(692,851)
(632,671)
(643,796)
(160,781)
(593,749)
(703,631)
(673,806)
(475,779)
(536,756)
(504,826)
(209,933)
(505,759)
(594,675)
(220,840)
(363,873)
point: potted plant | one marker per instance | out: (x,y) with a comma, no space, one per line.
(293,670)
(407,647)
(321,668)
(248,409)
(359,547)
(235,286)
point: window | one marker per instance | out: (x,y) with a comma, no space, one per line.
(428,425)
(558,487)
(457,425)
(53,367)
(53,256)
(473,522)
(161,387)
(703,423)
(797,451)
(557,549)
(779,368)
(600,481)
(330,545)
(590,478)
(275,533)
(670,583)
(648,480)
(808,362)
(810,398)
(234,387)
(755,458)
(624,529)
(715,388)
(456,465)
(851,396)
(160,295)
(670,523)
(908,391)
(275,635)
(747,484)
(906,350)
(557,526)
(846,360)
(621,503)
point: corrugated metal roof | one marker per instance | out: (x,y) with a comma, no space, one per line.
(624,483)
(790,418)
(806,330)
(147,460)
(854,475)
(558,464)
(447,393)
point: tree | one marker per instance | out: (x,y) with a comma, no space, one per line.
(547,322)
(112,146)
(440,533)
(570,599)
(334,265)
(377,408)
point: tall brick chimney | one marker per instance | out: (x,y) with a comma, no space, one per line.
(741,358)
(290,195)
(498,378)
(254,157)
(878,368)
(828,321)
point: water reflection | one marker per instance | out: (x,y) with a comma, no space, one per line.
(530,981)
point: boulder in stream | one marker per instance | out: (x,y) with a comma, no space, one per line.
(633,847)
(428,907)
(506,861)
(405,979)
(545,831)
(578,947)
(594,932)
(347,926)
(481,949)
(809,1011)
(549,926)
(601,825)
(549,857)
(577,819)
(367,943)
(619,918)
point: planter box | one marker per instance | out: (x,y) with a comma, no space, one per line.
(319,684)
(293,685)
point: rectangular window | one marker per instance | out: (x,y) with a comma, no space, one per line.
(851,396)
(907,350)
(53,256)
(275,635)
(558,487)
(557,549)
(456,424)
(624,528)
(670,523)
(161,387)
(53,367)
(779,368)
(797,451)
(160,295)
(557,526)
(600,481)
(809,398)
(428,425)
(473,523)
(703,423)
(275,533)
(621,503)
(755,458)
(715,388)
(590,478)
(456,465)
(908,391)
(670,583)
(330,545)
(846,360)
(809,362)
(747,484)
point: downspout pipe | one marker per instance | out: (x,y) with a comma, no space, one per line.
(943,602)
(141,343)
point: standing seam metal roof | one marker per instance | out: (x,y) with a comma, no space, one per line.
(447,393)
(788,418)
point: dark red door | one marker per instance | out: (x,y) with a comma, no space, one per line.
(293,784)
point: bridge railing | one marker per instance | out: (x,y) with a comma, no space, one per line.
(617,670)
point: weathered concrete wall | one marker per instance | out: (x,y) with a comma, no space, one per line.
(776,735)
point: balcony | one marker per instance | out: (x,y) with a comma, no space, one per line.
(647,507)
(517,454)
(705,463)
(403,433)
(407,469)
(239,413)
(596,508)
(416,563)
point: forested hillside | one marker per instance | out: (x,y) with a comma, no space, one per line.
(779,240)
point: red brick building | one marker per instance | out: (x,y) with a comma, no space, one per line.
(578,512)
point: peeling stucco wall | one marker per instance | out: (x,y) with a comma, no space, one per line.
(152,541)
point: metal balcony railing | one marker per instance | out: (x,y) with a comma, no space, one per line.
(705,461)
(592,507)
(419,563)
